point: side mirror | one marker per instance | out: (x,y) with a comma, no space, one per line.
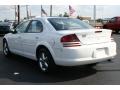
(13,31)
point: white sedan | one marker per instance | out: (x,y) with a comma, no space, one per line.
(62,41)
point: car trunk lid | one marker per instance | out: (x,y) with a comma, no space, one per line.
(90,36)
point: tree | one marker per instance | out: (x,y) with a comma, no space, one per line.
(99,20)
(79,17)
(60,15)
(6,20)
(65,14)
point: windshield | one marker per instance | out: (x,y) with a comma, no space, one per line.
(68,24)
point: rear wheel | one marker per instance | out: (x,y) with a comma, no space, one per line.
(92,65)
(45,60)
(6,50)
(117,31)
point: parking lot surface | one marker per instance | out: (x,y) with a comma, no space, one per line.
(20,70)
(0,43)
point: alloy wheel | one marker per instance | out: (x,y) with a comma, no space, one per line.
(43,61)
(5,49)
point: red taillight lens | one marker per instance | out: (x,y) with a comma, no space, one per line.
(70,40)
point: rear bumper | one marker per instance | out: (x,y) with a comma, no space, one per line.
(84,61)
(86,54)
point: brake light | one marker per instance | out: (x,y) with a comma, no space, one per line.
(70,41)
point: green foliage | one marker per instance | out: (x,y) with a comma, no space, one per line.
(79,17)
(65,14)
(60,15)
(99,20)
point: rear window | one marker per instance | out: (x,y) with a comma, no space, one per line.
(68,24)
(4,28)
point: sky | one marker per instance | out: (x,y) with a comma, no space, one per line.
(102,11)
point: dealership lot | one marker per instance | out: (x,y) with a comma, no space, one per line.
(20,70)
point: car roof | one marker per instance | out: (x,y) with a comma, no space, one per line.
(39,17)
(44,18)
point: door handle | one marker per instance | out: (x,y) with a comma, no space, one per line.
(19,37)
(36,37)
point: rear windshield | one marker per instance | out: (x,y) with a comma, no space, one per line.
(68,24)
(4,28)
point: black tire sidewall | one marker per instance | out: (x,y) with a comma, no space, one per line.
(50,61)
(8,54)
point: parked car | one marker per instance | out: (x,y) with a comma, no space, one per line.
(113,24)
(61,41)
(97,25)
(4,28)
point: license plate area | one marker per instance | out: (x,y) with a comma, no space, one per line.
(101,52)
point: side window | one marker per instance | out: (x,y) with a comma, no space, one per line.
(22,27)
(118,20)
(113,20)
(35,27)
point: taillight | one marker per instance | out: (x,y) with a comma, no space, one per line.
(70,41)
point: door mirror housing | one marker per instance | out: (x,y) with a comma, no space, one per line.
(13,31)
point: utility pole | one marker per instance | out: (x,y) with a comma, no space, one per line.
(51,10)
(30,12)
(41,10)
(27,12)
(15,13)
(94,14)
(18,7)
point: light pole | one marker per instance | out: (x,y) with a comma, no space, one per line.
(15,12)
(51,10)
(27,12)
(18,7)
(94,15)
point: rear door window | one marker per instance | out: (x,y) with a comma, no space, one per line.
(35,27)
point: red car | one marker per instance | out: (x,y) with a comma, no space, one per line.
(113,24)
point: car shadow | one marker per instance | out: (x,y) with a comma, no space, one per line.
(115,33)
(25,71)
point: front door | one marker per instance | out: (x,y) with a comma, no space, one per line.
(16,38)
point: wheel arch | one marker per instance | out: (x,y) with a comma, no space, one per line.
(4,39)
(46,47)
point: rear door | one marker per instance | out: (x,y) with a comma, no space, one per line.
(112,24)
(31,37)
(118,23)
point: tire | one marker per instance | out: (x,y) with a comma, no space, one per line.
(6,50)
(92,65)
(117,31)
(45,61)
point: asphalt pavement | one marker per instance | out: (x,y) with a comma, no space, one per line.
(22,71)
(1,43)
